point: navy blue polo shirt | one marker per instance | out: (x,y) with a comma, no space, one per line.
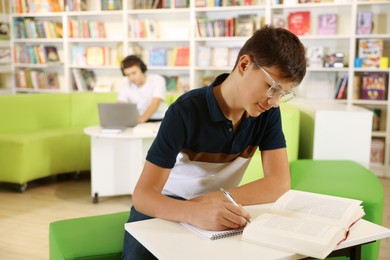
(198,144)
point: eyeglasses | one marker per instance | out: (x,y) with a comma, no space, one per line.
(276,90)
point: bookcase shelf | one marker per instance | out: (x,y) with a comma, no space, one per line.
(173,28)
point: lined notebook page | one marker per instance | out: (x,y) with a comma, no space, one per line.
(213,235)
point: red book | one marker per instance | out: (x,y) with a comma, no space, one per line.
(299,23)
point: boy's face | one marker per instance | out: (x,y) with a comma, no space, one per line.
(264,89)
(135,75)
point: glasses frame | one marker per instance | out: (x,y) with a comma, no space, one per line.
(276,88)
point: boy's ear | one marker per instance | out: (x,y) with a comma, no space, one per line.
(243,62)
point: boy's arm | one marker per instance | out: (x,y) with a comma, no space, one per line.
(214,214)
(154,104)
(276,180)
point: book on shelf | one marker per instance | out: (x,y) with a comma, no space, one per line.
(171,83)
(76,5)
(306,223)
(203,55)
(78,55)
(377,152)
(182,57)
(364,23)
(183,84)
(315,56)
(96,56)
(327,24)
(110,5)
(52,80)
(341,88)
(4,31)
(79,81)
(5,55)
(334,60)
(279,20)
(220,56)
(89,78)
(244,25)
(103,86)
(299,23)
(370,50)
(51,53)
(374,86)
(158,56)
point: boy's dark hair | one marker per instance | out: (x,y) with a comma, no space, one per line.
(133,60)
(270,46)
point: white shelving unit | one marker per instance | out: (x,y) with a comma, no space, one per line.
(178,27)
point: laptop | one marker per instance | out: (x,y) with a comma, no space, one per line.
(116,117)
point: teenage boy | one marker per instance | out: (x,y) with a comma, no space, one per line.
(209,135)
(144,89)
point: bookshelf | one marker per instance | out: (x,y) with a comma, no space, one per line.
(5,49)
(202,31)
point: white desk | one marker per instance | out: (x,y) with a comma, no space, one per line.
(117,159)
(170,240)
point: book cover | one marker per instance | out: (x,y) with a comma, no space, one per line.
(203,55)
(306,223)
(334,60)
(157,56)
(95,56)
(89,78)
(110,5)
(4,31)
(279,20)
(52,80)
(244,25)
(373,86)
(299,23)
(51,53)
(364,23)
(220,56)
(171,83)
(79,81)
(327,24)
(370,50)
(103,86)
(315,56)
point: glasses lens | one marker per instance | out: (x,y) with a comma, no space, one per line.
(275,91)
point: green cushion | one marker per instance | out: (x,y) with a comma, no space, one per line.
(345,179)
(96,237)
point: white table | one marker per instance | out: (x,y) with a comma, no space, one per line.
(171,240)
(117,159)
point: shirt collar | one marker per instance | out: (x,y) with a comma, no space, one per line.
(215,111)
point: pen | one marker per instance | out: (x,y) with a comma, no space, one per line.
(230,198)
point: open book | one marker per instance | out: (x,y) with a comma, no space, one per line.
(306,223)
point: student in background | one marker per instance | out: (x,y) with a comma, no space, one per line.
(144,89)
(209,135)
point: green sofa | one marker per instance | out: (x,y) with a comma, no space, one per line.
(42,134)
(340,178)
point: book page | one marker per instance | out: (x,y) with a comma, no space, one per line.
(301,236)
(323,208)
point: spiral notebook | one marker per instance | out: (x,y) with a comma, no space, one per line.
(214,235)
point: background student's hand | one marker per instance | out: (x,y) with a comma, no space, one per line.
(214,212)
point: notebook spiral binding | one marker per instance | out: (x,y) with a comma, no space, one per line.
(228,233)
